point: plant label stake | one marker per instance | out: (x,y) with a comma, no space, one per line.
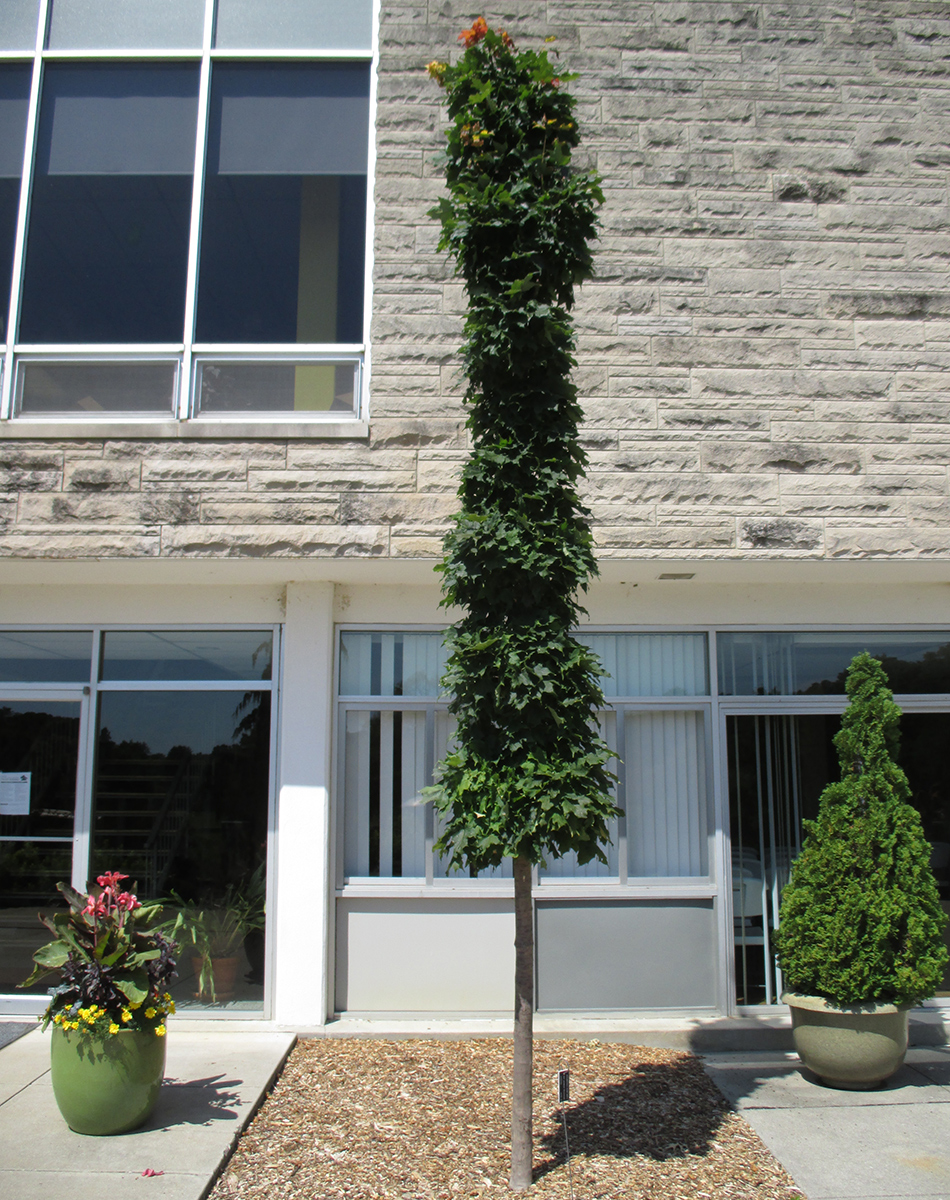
(563,1096)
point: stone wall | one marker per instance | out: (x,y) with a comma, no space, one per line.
(762,355)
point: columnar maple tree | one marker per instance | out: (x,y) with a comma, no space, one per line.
(528,775)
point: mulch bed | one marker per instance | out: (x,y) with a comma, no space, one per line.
(430,1120)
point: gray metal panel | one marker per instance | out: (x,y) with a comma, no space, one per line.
(425,955)
(636,954)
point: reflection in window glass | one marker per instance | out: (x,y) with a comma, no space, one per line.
(283,229)
(29,873)
(45,388)
(14,100)
(815,664)
(40,739)
(181,799)
(125,24)
(191,654)
(316,24)
(107,247)
(237,387)
(45,656)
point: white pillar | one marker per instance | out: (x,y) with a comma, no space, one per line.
(303,904)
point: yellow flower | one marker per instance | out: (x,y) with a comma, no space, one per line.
(126,1015)
(159,1030)
(75,1025)
(171,1006)
(135,1004)
(150,1012)
(113,1028)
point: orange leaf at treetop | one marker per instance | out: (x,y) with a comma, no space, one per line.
(471,37)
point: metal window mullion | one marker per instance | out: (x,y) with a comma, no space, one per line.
(623,865)
(186,380)
(23,213)
(187,685)
(429,810)
(85,776)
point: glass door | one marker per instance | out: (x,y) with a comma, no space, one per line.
(41,842)
(779,764)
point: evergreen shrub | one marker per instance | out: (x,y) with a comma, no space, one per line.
(861,920)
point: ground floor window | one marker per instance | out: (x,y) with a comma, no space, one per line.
(146,752)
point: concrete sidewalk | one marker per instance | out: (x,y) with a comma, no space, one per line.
(892,1143)
(213,1083)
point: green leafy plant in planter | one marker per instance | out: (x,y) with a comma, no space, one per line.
(108,1012)
(212,932)
(860,937)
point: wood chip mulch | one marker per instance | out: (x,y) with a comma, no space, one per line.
(430,1120)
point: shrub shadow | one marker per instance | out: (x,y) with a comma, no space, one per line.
(660,1111)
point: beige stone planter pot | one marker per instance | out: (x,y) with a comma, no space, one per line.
(854,1048)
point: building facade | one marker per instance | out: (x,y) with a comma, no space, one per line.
(230,439)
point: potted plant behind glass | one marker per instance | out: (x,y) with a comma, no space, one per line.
(860,937)
(107,1056)
(213,933)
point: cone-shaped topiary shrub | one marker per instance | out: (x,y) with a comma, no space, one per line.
(861,919)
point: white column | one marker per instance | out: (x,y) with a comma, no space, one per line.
(303,907)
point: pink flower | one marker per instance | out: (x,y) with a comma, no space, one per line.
(110,880)
(126,901)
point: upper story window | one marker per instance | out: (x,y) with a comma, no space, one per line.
(183,211)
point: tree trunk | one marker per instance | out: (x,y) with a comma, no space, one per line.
(521,1101)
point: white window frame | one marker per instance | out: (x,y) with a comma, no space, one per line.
(317,424)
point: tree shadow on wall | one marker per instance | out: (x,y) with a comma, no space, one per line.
(659,1111)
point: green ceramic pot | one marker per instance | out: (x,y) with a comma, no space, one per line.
(106,1084)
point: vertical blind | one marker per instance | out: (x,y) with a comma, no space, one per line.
(389,754)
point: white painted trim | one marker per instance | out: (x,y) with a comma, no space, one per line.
(302,903)
(363,407)
(23,214)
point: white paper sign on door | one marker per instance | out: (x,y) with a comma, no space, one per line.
(14,793)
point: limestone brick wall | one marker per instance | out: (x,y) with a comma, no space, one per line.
(763,354)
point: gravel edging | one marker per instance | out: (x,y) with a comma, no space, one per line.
(363,1119)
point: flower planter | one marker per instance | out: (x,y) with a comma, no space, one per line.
(224,973)
(853,1048)
(106,1084)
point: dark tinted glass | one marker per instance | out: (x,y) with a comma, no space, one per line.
(14,98)
(180,803)
(194,654)
(283,230)
(29,873)
(108,241)
(45,657)
(815,664)
(39,746)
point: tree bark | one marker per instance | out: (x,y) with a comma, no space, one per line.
(521,1099)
